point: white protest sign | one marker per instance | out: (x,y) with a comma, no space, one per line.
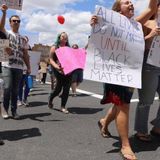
(154,52)
(13,4)
(3,55)
(116,49)
(34,60)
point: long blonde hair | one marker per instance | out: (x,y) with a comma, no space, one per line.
(117,6)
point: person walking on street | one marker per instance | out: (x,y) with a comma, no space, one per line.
(12,70)
(63,82)
(44,66)
(120,96)
(150,84)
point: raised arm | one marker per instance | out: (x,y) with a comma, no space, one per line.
(146,14)
(3,18)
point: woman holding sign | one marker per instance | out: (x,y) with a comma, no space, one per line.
(63,81)
(150,82)
(118,95)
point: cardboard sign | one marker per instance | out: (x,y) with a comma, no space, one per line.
(13,4)
(34,61)
(115,51)
(71,59)
(154,53)
(3,55)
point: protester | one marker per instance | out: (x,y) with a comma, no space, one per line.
(77,76)
(150,82)
(120,111)
(63,81)
(43,71)
(12,70)
(26,83)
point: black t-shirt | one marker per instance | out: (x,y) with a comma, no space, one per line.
(2,36)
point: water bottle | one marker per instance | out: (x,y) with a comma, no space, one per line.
(30,81)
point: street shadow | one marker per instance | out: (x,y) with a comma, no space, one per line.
(117,145)
(14,135)
(35,94)
(115,150)
(34,117)
(80,110)
(37,103)
(79,95)
(137,145)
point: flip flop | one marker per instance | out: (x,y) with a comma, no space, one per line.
(143,138)
(127,155)
(105,134)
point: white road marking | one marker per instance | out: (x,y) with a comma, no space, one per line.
(100,96)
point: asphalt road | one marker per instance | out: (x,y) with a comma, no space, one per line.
(44,134)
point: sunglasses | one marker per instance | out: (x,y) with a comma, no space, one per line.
(16,21)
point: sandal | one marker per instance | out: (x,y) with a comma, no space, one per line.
(105,134)
(128,155)
(143,137)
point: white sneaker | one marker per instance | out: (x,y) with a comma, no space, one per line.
(64,110)
(31,90)
(4,113)
(19,103)
(25,103)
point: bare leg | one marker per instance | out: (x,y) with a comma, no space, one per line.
(74,86)
(122,120)
(122,124)
(109,117)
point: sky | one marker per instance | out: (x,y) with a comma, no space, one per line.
(39,19)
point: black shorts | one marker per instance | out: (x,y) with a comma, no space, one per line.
(122,92)
(77,75)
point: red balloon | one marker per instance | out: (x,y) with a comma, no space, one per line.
(60,19)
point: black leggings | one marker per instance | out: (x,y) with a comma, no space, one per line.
(63,82)
(44,75)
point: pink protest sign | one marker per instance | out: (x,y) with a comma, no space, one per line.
(71,59)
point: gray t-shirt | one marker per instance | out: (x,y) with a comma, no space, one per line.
(18,44)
